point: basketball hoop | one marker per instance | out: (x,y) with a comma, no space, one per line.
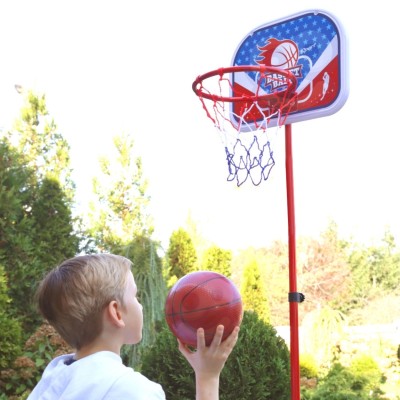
(244,102)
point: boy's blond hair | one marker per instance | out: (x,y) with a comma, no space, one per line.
(73,296)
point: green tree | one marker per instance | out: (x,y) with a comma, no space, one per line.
(253,291)
(361,287)
(17,194)
(46,150)
(323,331)
(323,270)
(181,254)
(369,375)
(147,270)
(42,346)
(120,223)
(54,239)
(258,367)
(272,262)
(120,211)
(217,260)
(11,332)
(49,240)
(351,383)
(200,243)
(376,270)
(32,155)
(17,191)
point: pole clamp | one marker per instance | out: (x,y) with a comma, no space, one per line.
(296,297)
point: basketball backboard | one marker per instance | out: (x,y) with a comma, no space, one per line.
(311,45)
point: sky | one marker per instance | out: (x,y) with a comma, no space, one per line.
(112,67)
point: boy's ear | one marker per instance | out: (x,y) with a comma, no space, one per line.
(114,314)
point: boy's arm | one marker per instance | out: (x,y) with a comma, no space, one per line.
(208,362)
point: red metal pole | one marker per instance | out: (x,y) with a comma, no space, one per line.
(293,304)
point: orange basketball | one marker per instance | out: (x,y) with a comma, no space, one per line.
(203,299)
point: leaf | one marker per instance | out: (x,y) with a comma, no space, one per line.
(39,362)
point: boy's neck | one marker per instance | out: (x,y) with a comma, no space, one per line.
(95,347)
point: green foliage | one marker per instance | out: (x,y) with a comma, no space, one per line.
(164,364)
(26,370)
(54,238)
(35,217)
(181,254)
(217,260)
(10,328)
(272,263)
(36,230)
(17,194)
(366,370)
(337,385)
(200,243)
(4,299)
(324,271)
(147,270)
(308,366)
(254,294)
(384,264)
(258,367)
(375,270)
(45,150)
(120,211)
(352,383)
(120,223)
(323,329)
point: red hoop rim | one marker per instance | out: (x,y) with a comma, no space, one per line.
(292,81)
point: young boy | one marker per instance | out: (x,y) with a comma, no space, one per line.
(92,302)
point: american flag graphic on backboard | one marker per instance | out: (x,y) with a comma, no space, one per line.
(312,46)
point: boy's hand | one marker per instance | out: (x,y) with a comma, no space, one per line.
(208,362)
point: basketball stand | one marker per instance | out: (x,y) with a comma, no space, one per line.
(287,71)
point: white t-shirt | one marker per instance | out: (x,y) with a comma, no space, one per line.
(100,376)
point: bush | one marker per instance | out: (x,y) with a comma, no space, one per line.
(10,340)
(258,368)
(352,383)
(10,328)
(367,374)
(337,385)
(308,366)
(26,370)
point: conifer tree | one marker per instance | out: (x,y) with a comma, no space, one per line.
(217,260)
(120,223)
(35,215)
(10,328)
(181,254)
(54,239)
(35,135)
(120,209)
(253,291)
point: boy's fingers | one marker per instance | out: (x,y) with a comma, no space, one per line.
(218,336)
(201,342)
(230,341)
(233,337)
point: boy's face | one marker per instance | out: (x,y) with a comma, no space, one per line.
(134,313)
